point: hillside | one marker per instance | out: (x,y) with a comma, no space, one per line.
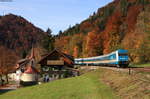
(17,34)
(120,24)
(97,84)
(17,37)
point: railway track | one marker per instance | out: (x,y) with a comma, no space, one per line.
(144,69)
(129,69)
(117,69)
(138,69)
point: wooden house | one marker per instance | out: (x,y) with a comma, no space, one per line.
(57,64)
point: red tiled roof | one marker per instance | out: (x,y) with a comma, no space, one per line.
(31,70)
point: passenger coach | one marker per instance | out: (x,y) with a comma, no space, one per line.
(117,58)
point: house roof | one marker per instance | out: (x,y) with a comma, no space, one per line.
(61,53)
(68,56)
(22,63)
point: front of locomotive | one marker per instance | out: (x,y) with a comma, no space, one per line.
(123,58)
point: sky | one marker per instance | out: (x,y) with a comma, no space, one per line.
(54,14)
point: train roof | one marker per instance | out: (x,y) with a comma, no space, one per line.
(96,56)
(119,51)
(122,51)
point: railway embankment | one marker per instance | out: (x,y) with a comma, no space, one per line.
(127,84)
(133,86)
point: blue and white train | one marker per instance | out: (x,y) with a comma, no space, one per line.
(117,58)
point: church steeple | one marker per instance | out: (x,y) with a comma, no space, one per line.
(32,55)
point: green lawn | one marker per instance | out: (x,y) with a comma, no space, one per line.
(87,86)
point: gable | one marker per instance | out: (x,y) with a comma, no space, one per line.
(57,57)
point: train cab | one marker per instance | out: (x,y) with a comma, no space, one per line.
(123,58)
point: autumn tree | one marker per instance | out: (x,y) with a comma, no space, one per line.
(137,42)
(115,43)
(76,43)
(75,51)
(144,27)
(7,61)
(93,45)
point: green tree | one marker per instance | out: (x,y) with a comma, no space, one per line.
(124,7)
(49,32)
(24,54)
(144,27)
(60,32)
(143,2)
(114,41)
(48,41)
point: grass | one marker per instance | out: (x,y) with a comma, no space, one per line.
(87,86)
(140,65)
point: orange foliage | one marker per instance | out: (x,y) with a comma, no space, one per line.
(60,43)
(93,43)
(112,24)
(132,16)
(75,51)
(85,25)
(117,26)
(7,60)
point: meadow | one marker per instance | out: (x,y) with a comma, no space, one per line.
(87,86)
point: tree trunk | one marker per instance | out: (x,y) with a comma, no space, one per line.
(1,79)
(7,78)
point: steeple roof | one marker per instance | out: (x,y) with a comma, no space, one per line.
(31,70)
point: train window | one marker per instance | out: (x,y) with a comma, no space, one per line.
(111,57)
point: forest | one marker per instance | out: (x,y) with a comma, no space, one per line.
(122,24)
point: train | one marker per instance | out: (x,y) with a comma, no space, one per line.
(118,58)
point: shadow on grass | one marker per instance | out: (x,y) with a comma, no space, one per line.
(2,91)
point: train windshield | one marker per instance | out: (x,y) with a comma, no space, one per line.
(123,56)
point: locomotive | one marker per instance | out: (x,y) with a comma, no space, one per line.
(118,58)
